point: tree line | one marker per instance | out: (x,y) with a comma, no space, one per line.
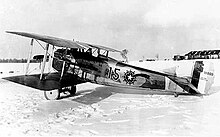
(17,61)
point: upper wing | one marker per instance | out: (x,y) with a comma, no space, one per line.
(98,47)
(62,42)
(50,40)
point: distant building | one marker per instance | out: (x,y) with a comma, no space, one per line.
(178,57)
(147,60)
(205,54)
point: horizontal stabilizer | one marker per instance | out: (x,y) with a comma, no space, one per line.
(184,83)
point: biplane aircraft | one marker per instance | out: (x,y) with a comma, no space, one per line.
(78,62)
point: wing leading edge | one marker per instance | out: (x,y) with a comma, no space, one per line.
(59,42)
(50,40)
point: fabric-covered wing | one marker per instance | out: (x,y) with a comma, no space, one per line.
(51,81)
(98,47)
(62,42)
(50,40)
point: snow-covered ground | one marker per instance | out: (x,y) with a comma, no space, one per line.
(99,110)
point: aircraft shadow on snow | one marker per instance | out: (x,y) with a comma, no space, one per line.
(100,93)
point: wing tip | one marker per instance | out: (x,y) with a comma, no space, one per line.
(12,32)
(8,31)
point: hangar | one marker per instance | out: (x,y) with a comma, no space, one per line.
(202,54)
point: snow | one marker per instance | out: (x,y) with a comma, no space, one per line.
(102,111)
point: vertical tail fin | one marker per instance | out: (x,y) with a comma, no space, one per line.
(202,76)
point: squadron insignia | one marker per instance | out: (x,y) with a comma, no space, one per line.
(129,77)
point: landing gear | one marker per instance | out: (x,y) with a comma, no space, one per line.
(72,90)
(175,95)
(52,94)
(55,94)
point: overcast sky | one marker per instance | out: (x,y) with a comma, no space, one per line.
(144,27)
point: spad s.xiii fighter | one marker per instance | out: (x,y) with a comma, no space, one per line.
(79,62)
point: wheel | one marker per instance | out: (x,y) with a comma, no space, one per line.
(52,94)
(176,95)
(72,90)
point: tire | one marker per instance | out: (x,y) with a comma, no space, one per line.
(73,90)
(176,95)
(52,94)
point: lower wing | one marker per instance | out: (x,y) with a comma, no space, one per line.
(51,81)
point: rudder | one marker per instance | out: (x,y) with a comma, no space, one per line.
(202,76)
